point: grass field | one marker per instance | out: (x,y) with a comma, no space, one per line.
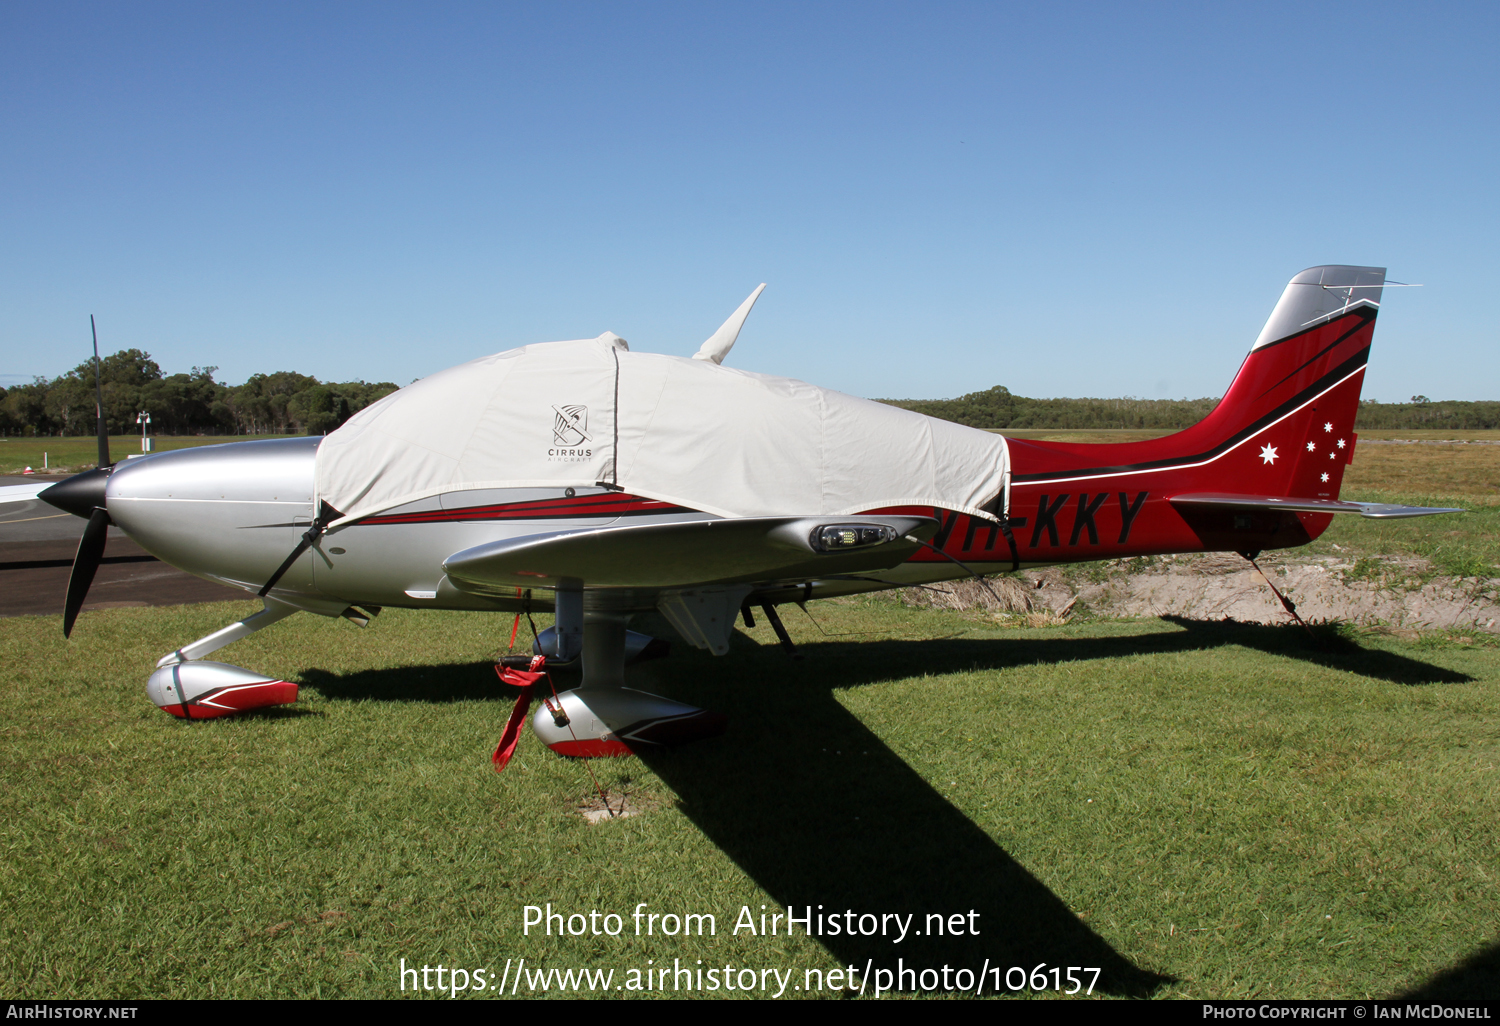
(1196,809)
(1465,476)
(82,453)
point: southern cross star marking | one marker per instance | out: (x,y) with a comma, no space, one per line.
(1325,478)
(1268,454)
(1330,455)
(1311,446)
(1341,443)
(1328,427)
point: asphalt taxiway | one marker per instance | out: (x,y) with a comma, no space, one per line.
(37,545)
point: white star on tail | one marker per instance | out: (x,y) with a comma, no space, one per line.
(1341,443)
(1325,478)
(1311,446)
(1268,454)
(1328,427)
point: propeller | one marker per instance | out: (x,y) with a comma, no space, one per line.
(83,496)
(99,402)
(90,553)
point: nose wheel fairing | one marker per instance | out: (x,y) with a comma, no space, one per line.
(202,690)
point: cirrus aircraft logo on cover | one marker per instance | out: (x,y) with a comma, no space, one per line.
(570,431)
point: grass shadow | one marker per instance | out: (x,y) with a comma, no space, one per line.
(1476,978)
(825,817)
(872,661)
(1327,647)
(438,684)
(866,833)
(819,811)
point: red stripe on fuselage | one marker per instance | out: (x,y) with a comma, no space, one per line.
(581,507)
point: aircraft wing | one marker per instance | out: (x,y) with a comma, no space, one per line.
(1372,510)
(686,554)
(23,492)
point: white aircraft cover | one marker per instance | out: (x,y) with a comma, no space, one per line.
(689,432)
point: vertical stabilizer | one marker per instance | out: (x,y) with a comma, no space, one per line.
(1285,426)
(1319,293)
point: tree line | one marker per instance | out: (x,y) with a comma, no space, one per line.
(181,404)
(998,408)
(290,403)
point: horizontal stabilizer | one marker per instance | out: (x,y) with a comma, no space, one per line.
(686,554)
(1372,510)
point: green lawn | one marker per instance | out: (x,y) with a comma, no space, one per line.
(75,453)
(1199,810)
(1455,544)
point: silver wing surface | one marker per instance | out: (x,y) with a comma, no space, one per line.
(696,553)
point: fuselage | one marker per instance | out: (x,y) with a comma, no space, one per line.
(232,513)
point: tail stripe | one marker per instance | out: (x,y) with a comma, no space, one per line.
(1364,308)
(1350,367)
(1364,321)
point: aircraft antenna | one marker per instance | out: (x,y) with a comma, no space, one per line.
(968,569)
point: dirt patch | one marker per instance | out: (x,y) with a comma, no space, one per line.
(1396,593)
(619,806)
(994,595)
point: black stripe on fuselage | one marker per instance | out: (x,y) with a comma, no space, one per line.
(1365,317)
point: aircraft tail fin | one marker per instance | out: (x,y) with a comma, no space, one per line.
(1289,413)
(1285,427)
(1266,466)
(1298,392)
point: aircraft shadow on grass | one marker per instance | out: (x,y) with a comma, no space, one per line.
(851,663)
(816,809)
(1476,978)
(782,793)
(819,811)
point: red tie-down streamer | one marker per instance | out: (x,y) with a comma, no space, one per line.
(527,681)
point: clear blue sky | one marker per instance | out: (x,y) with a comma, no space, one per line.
(1070,199)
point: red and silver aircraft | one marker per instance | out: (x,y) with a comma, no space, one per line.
(585,479)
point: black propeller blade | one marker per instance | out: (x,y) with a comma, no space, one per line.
(83,496)
(85,564)
(99,402)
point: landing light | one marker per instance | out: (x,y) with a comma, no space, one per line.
(839,537)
